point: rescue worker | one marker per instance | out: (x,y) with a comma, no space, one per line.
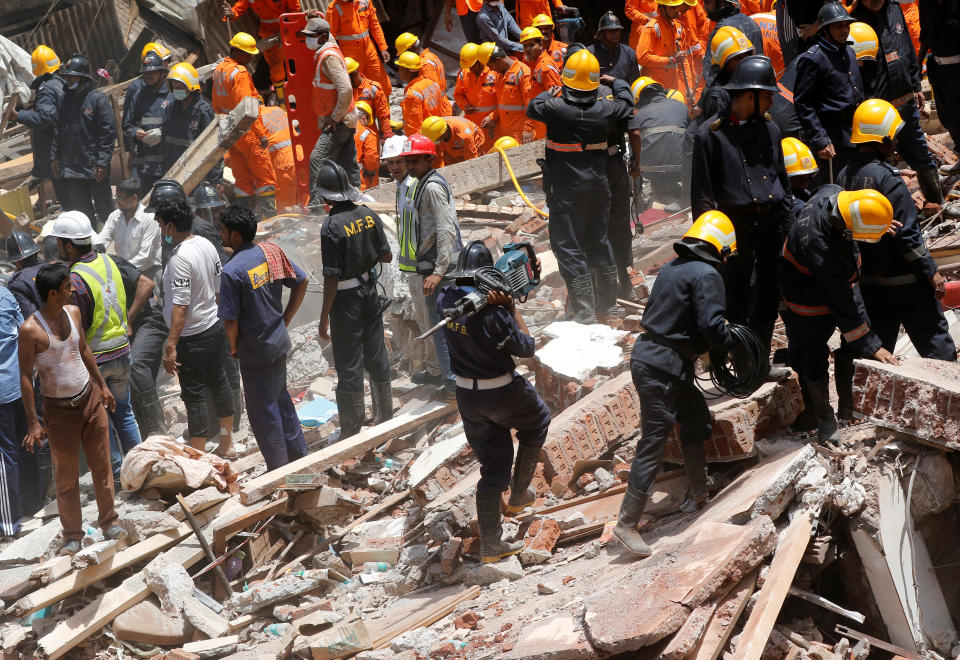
(656,132)
(493,400)
(255,183)
(617,59)
(755,196)
(575,180)
(528,10)
(280,148)
(365,89)
(142,135)
(368,147)
(457,139)
(939,25)
(684,317)
(544,73)
(911,16)
(514,92)
(332,103)
(771,42)
(396,165)
(422,97)
(899,281)
(727,12)
(664,51)
(355,26)
(897,80)
(865,44)
(496,24)
(801,168)
(828,89)
(817,269)
(353,243)
(186,117)
(695,22)
(40,118)
(432,66)
(502,144)
(209,206)
(728,48)
(467,13)
(475,89)
(268,13)
(556,48)
(639,13)
(24,255)
(83,141)
(137,84)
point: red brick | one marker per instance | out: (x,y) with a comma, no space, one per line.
(542,534)
(560,484)
(471,546)
(540,483)
(584,480)
(631,323)
(450,555)
(468,620)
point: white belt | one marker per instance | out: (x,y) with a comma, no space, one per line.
(952,59)
(352,283)
(484,383)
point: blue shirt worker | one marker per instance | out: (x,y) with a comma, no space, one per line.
(252,311)
(352,243)
(494,23)
(13,422)
(684,318)
(493,399)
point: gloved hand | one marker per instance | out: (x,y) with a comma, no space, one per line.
(153,137)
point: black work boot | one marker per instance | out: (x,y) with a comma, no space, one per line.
(929,183)
(819,392)
(521,494)
(237,408)
(806,421)
(382,395)
(605,290)
(492,546)
(351,412)
(625,288)
(631,509)
(843,379)
(581,300)
(695,463)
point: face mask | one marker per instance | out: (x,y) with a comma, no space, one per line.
(313,43)
(168,240)
(72,86)
(494,4)
(180,94)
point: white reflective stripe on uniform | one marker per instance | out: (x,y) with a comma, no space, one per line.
(320,85)
(353,37)
(263,190)
(484,383)
(269,20)
(150,121)
(280,145)
(486,108)
(661,129)
(951,59)
(513,108)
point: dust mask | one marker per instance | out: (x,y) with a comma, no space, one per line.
(180,94)
(313,43)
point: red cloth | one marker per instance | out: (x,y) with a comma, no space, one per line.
(278,265)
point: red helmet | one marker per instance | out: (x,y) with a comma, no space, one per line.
(417,145)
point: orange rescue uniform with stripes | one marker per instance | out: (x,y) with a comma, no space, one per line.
(639,13)
(771,43)
(372,93)
(423,99)
(280,149)
(465,141)
(698,25)
(268,12)
(527,10)
(911,16)
(514,93)
(558,51)
(433,68)
(368,156)
(252,171)
(660,40)
(544,74)
(751,7)
(356,28)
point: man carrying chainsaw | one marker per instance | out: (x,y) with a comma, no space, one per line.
(492,397)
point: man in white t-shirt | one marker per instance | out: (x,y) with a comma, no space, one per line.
(135,235)
(196,346)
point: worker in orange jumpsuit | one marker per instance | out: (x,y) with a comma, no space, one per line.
(639,13)
(355,26)
(432,66)
(368,147)
(469,89)
(695,20)
(514,93)
(457,138)
(751,7)
(911,16)
(367,90)
(527,10)
(422,98)
(280,148)
(254,179)
(268,12)
(544,72)
(771,43)
(556,48)
(666,52)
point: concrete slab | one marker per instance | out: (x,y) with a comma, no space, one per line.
(145,622)
(556,638)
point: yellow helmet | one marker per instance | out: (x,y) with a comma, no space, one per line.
(866,213)
(404,42)
(670,3)
(468,55)
(185,73)
(245,42)
(715,228)
(530,33)
(409,60)
(542,20)
(676,95)
(728,42)
(641,84)
(44,60)
(154,47)
(864,41)
(484,51)
(352,64)
(582,71)
(433,128)
(875,120)
(798,158)
(505,142)
(396,125)
(365,108)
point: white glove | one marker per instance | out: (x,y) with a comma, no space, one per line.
(152,138)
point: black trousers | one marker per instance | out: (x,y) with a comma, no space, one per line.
(579,231)
(915,308)
(91,197)
(356,332)
(146,183)
(666,402)
(618,231)
(489,415)
(146,355)
(750,276)
(336,144)
(202,358)
(945,81)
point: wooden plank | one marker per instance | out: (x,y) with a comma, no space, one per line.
(421,614)
(383,507)
(725,619)
(774,590)
(7,112)
(221,533)
(368,438)
(877,643)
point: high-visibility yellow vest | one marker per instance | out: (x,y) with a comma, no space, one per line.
(108,330)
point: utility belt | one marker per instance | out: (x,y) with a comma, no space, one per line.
(354,282)
(890,280)
(75,401)
(682,351)
(949,59)
(573,147)
(476,384)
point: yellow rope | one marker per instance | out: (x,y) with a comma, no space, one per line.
(516,184)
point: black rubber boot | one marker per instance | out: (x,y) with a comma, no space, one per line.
(806,421)
(351,410)
(929,183)
(843,379)
(605,291)
(695,463)
(492,546)
(819,392)
(521,494)
(631,509)
(625,288)
(580,300)
(382,395)
(237,408)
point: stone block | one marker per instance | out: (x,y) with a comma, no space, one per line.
(483,574)
(450,555)
(170,582)
(556,638)
(145,622)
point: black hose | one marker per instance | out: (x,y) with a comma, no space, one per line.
(740,371)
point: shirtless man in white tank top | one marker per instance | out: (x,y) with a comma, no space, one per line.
(74,404)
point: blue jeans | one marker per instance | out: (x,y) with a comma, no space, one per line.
(911,142)
(124,432)
(439,341)
(15,464)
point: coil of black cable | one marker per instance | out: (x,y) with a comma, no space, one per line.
(740,371)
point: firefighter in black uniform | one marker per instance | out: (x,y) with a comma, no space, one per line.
(24,254)
(186,117)
(41,117)
(727,12)
(656,131)
(83,141)
(143,135)
(493,399)
(817,270)
(728,48)
(939,27)
(897,80)
(352,243)
(801,168)
(616,58)
(684,318)
(755,195)
(899,281)
(827,90)
(575,177)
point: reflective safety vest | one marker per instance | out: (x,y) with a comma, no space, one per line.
(108,330)
(324,99)
(418,256)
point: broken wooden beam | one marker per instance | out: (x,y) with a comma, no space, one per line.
(198,532)
(725,619)
(222,532)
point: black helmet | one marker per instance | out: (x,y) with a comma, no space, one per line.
(20,246)
(77,65)
(753,72)
(206,196)
(152,62)
(609,21)
(333,184)
(475,255)
(833,12)
(165,190)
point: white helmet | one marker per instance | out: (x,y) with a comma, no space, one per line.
(392,147)
(73,225)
